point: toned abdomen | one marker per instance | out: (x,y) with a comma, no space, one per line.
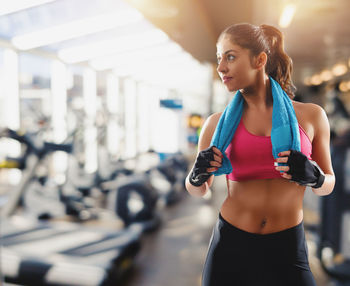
(263,206)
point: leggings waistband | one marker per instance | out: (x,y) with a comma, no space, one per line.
(292,231)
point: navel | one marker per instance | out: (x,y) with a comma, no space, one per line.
(263,222)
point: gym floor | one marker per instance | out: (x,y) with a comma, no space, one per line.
(174,254)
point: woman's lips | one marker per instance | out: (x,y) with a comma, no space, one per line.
(226,79)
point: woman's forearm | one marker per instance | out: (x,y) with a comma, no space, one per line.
(196,191)
(327,186)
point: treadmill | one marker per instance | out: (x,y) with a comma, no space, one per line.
(34,252)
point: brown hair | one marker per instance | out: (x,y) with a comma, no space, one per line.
(268,39)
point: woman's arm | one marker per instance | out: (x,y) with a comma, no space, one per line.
(203,143)
(321,150)
(320,155)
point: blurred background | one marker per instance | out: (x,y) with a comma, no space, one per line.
(101,106)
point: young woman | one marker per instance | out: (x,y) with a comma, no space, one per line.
(259,237)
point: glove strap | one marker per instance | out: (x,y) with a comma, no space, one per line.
(320,175)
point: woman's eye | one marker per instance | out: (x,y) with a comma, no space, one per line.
(230,57)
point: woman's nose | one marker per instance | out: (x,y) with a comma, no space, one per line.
(222,67)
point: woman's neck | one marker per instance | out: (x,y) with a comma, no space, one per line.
(259,96)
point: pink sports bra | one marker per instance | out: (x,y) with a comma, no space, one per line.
(251,155)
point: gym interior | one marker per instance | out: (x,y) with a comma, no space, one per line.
(101,107)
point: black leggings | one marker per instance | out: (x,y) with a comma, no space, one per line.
(236,257)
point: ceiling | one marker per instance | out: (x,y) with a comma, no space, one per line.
(318,37)
(107,35)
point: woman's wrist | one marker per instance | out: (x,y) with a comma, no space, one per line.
(326,187)
(319,174)
(197,191)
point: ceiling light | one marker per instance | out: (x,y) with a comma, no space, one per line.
(316,79)
(181,62)
(122,44)
(326,75)
(287,15)
(339,69)
(163,9)
(18,5)
(75,29)
(343,86)
(136,58)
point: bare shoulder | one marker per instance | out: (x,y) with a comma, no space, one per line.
(311,115)
(208,130)
(214,118)
(211,122)
(307,107)
(310,110)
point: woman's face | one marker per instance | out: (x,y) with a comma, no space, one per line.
(234,65)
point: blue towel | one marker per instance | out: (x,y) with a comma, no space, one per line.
(285,129)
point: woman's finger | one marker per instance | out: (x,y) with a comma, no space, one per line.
(282,160)
(217,151)
(286,176)
(215,164)
(282,168)
(217,158)
(284,153)
(209,170)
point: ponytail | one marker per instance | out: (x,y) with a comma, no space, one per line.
(268,39)
(279,65)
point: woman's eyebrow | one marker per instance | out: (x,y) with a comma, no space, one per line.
(217,54)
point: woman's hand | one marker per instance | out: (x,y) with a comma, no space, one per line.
(284,169)
(300,169)
(207,161)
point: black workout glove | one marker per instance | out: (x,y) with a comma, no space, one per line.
(304,171)
(199,173)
